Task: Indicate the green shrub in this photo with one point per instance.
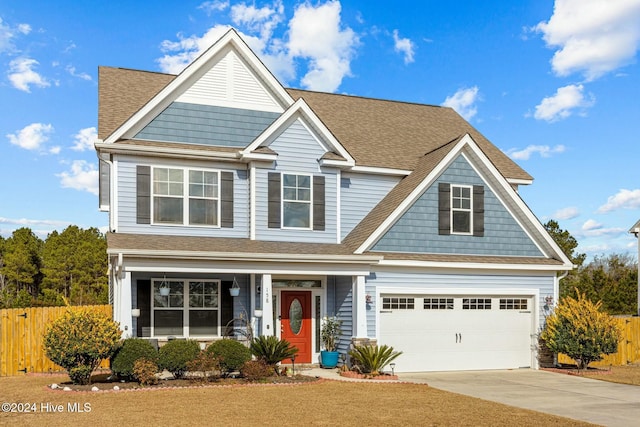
(79, 340)
(580, 330)
(372, 359)
(175, 355)
(206, 366)
(231, 354)
(256, 370)
(271, 350)
(144, 370)
(131, 350)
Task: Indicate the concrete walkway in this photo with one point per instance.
(594, 401)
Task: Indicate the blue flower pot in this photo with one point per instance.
(329, 359)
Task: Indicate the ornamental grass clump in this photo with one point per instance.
(580, 330)
(371, 359)
(79, 341)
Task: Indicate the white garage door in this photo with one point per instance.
(445, 333)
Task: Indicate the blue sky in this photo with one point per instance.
(555, 85)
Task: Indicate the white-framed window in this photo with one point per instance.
(186, 196)
(438, 304)
(398, 303)
(192, 308)
(461, 209)
(514, 304)
(476, 303)
(296, 201)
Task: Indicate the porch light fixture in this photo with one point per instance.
(164, 287)
(234, 290)
(369, 299)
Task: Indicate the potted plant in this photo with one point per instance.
(330, 335)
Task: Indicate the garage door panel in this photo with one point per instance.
(459, 339)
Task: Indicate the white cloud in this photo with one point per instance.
(623, 199)
(213, 6)
(72, 70)
(31, 137)
(463, 101)
(315, 34)
(8, 33)
(262, 21)
(592, 36)
(566, 213)
(33, 222)
(592, 228)
(82, 176)
(542, 150)
(84, 139)
(22, 75)
(404, 46)
(563, 103)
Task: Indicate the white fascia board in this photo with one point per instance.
(472, 265)
(381, 171)
(156, 151)
(260, 157)
(170, 92)
(533, 220)
(413, 196)
(299, 109)
(341, 164)
(228, 256)
(515, 181)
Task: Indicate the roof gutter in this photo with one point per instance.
(474, 265)
(156, 151)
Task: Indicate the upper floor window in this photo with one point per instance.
(296, 201)
(461, 217)
(460, 209)
(185, 196)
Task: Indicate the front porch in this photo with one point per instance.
(199, 305)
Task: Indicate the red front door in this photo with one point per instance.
(295, 316)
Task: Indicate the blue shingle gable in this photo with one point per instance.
(416, 231)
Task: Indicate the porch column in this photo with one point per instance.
(267, 306)
(125, 319)
(359, 307)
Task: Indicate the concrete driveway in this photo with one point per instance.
(594, 401)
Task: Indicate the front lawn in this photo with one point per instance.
(629, 374)
(317, 403)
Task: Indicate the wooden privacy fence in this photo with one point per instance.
(21, 338)
(628, 347)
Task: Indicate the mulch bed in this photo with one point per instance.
(355, 375)
(573, 370)
(104, 382)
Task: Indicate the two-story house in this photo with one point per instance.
(401, 219)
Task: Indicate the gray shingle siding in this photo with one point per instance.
(207, 125)
(417, 230)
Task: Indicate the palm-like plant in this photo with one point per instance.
(372, 359)
(272, 350)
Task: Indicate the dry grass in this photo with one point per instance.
(318, 403)
(629, 374)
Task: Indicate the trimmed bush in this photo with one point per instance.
(175, 355)
(370, 359)
(256, 370)
(580, 330)
(231, 354)
(144, 370)
(132, 349)
(79, 341)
